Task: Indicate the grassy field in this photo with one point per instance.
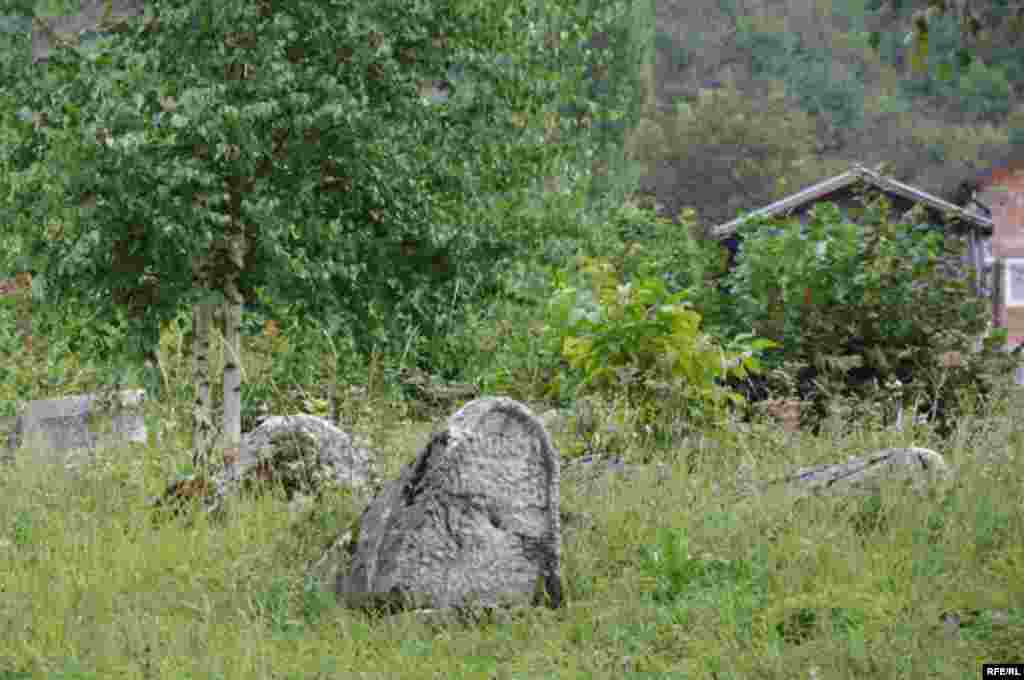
(671, 580)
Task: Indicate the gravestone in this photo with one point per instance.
(472, 522)
(306, 454)
(80, 422)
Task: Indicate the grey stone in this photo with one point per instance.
(473, 522)
(306, 454)
(917, 468)
(63, 429)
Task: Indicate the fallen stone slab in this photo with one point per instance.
(916, 468)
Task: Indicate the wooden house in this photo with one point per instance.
(992, 224)
(841, 190)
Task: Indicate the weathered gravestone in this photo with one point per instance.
(473, 523)
(65, 427)
(307, 455)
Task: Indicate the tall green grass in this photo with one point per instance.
(678, 579)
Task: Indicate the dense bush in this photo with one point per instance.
(64, 352)
(607, 322)
(636, 339)
(857, 306)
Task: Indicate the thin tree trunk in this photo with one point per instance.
(237, 247)
(202, 412)
(232, 431)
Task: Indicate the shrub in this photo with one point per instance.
(862, 305)
(639, 339)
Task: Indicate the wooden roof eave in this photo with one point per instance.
(784, 206)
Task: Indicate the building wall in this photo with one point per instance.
(1000, 189)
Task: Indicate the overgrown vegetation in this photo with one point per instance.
(860, 303)
(675, 580)
(631, 325)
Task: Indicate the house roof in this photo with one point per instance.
(856, 173)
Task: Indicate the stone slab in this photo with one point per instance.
(79, 422)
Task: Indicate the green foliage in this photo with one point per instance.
(304, 366)
(839, 296)
(809, 75)
(615, 335)
(671, 252)
(413, 224)
(66, 351)
(520, 351)
(1010, 58)
(1017, 136)
(889, 45)
(947, 67)
(812, 80)
(681, 579)
(985, 91)
(770, 51)
(945, 60)
(302, 362)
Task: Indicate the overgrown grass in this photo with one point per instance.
(674, 579)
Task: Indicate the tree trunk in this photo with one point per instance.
(202, 412)
(232, 431)
(236, 248)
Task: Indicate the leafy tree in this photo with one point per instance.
(982, 30)
(217, 148)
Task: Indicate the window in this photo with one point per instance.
(1014, 281)
(987, 283)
